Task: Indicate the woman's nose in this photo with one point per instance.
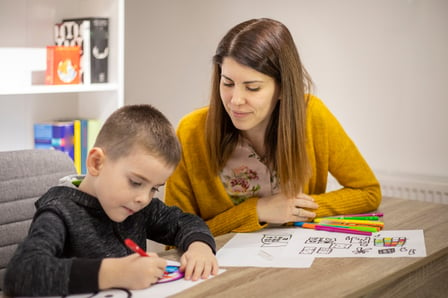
(237, 97)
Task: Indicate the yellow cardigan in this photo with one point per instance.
(195, 189)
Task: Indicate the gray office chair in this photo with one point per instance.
(25, 175)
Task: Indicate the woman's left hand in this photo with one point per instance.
(280, 209)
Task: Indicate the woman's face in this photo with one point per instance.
(248, 96)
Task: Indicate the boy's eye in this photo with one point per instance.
(134, 183)
(154, 189)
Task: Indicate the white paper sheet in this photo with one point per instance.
(157, 290)
(297, 247)
(167, 289)
(268, 248)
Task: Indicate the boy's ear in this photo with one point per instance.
(95, 160)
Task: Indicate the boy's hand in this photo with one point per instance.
(132, 272)
(198, 262)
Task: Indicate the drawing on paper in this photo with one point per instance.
(296, 248)
(275, 240)
(390, 241)
(355, 245)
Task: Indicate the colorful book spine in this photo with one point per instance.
(55, 135)
(43, 133)
(77, 145)
(93, 128)
(74, 137)
(84, 150)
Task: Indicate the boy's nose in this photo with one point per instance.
(143, 199)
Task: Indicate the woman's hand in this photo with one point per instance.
(280, 209)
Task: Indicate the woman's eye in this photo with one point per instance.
(253, 89)
(154, 189)
(227, 84)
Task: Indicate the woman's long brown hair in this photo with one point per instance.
(267, 46)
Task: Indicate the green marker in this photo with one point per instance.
(358, 228)
(353, 217)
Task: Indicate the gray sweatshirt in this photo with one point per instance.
(71, 234)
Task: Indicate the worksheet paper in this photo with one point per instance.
(157, 290)
(268, 248)
(297, 247)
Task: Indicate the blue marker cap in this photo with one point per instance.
(298, 223)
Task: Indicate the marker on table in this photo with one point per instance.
(331, 229)
(352, 227)
(379, 214)
(353, 217)
(351, 221)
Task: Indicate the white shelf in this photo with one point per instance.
(30, 25)
(45, 89)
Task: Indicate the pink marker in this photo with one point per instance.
(331, 229)
(379, 214)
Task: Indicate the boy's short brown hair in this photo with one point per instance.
(140, 126)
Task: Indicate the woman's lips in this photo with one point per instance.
(239, 114)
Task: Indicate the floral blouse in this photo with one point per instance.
(245, 175)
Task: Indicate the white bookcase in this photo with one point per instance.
(29, 24)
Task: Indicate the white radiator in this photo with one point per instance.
(413, 187)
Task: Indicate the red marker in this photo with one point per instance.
(135, 248)
(171, 272)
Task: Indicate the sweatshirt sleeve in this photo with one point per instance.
(38, 268)
(333, 151)
(172, 226)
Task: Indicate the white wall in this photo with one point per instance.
(380, 65)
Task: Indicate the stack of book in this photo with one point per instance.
(92, 36)
(74, 137)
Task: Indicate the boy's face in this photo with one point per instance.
(127, 185)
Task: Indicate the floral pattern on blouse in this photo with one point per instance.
(245, 175)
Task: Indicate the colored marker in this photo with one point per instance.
(379, 214)
(351, 221)
(359, 228)
(353, 217)
(135, 248)
(339, 223)
(331, 229)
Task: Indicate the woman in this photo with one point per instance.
(261, 151)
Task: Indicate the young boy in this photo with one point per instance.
(76, 240)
